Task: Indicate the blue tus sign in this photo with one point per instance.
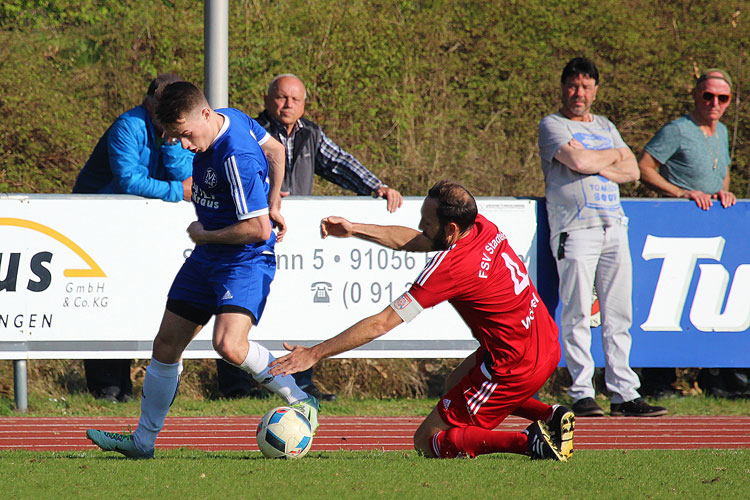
(691, 284)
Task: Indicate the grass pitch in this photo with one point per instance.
(188, 474)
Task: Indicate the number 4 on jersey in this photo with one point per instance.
(520, 279)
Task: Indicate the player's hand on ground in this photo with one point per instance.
(195, 231)
(727, 198)
(336, 226)
(299, 359)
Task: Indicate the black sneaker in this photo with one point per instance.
(313, 390)
(561, 427)
(587, 407)
(108, 394)
(636, 408)
(541, 446)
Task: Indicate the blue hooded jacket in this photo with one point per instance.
(130, 159)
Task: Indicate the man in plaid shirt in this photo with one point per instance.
(310, 151)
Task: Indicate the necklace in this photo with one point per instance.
(714, 150)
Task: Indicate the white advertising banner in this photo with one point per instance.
(87, 276)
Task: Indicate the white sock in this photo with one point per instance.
(159, 390)
(256, 364)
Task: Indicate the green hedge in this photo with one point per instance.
(418, 90)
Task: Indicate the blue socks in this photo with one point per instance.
(159, 391)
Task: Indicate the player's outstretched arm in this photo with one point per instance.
(395, 237)
(301, 358)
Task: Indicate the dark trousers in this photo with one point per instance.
(657, 380)
(236, 382)
(725, 382)
(108, 377)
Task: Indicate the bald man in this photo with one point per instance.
(310, 151)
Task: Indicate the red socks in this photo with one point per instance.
(534, 410)
(473, 441)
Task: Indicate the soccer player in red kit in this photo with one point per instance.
(488, 285)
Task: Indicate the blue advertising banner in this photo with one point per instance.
(691, 284)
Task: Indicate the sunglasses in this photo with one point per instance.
(709, 97)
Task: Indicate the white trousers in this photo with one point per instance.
(597, 258)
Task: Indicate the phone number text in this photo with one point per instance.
(354, 292)
(355, 259)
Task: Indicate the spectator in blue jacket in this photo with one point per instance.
(133, 157)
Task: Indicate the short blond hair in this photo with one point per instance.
(707, 75)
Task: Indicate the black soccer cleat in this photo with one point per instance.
(541, 446)
(561, 427)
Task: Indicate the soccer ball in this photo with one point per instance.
(284, 433)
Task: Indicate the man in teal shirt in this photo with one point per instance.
(689, 157)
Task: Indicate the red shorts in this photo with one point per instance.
(485, 402)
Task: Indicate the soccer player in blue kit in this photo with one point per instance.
(229, 272)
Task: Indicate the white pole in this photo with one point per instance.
(20, 385)
(216, 52)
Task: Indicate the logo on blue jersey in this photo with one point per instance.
(200, 197)
(210, 178)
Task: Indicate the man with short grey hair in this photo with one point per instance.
(310, 151)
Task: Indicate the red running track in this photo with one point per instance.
(373, 433)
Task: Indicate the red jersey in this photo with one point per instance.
(486, 282)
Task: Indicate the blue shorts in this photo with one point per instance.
(209, 284)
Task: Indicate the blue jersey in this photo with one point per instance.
(230, 182)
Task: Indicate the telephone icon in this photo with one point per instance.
(321, 289)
